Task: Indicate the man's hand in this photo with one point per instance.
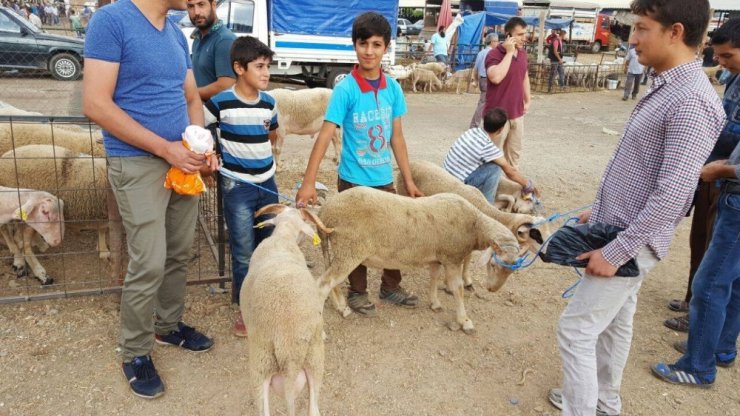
(412, 190)
(179, 156)
(597, 264)
(306, 195)
(584, 216)
(712, 171)
(526, 107)
(510, 44)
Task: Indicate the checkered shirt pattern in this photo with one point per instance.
(649, 183)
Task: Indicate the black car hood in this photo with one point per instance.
(45, 36)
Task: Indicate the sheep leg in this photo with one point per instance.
(19, 265)
(313, 394)
(103, 251)
(30, 258)
(265, 395)
(434, 272)
(340, 302)
(467, 279)
(455, 284)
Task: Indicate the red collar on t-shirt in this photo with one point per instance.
(362, 82)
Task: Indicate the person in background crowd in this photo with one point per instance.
(439, 46)
(508, 86)
(479, 70)
(555, 53)
(634, 70)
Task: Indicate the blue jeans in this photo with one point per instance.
(441, 58)
(485, 178)
(714, 311)
(241, 201)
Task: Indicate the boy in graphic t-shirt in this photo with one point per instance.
(368, 107)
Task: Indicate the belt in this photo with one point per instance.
(730, 187)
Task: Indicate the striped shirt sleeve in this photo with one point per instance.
(210, 113)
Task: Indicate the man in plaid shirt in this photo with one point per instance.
(646, 189)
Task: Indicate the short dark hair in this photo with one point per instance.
(514, 22)
(371, 24)
(246, 49)
(728, 32)
(494, 119)
(692, 14)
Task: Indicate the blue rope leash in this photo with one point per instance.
(279, 195)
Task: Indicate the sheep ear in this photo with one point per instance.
(25, 210)
(485, 257)
(507, 202)
(265, 223)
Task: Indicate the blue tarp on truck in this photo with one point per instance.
(326, 17)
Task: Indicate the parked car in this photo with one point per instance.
(25, 47)
(416, 28)
(403, 26)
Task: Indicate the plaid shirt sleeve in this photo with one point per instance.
(690, 135)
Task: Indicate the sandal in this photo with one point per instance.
(680, 324)
(669, 373)
(678, 305)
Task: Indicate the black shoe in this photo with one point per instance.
(399, 296)
(624, 98)
(186, 337)
(143, 378)
(360, 303)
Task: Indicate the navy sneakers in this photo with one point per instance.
(187, 338)
(143, 378)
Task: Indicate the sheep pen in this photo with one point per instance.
(402, 361)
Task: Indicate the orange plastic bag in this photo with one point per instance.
(198, 140)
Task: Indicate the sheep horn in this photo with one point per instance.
(508, 202)
(270, 209)
(310, 216)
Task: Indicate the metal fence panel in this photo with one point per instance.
(64, 156)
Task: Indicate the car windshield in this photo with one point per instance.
(24, 22)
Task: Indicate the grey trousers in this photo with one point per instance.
(632, 85)
(478, 115)
(160, 226)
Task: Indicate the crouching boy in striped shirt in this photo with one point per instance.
(478, 162)
(247, 119)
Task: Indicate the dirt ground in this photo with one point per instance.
(59, 357)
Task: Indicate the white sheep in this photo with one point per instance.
(439, 69)
(42, 213)
(80, 180)
(432, 179)
(385, 230)
(426, 76)
(282, 308)
(22, 133)
(462, 78)
(302, 112)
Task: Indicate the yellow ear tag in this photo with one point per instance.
(22, 214)
(527, 197)
(316, 239)
(260, 225)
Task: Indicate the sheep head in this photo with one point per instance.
(497, 274)
(296, 217)
(45, 214)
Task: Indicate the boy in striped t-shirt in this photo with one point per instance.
(477, 161)
(247, 119)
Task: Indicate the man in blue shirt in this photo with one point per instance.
(139, 87)
(480, 71)
(439, 46)
(211, 49)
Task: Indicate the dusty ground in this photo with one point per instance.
(59, 357)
